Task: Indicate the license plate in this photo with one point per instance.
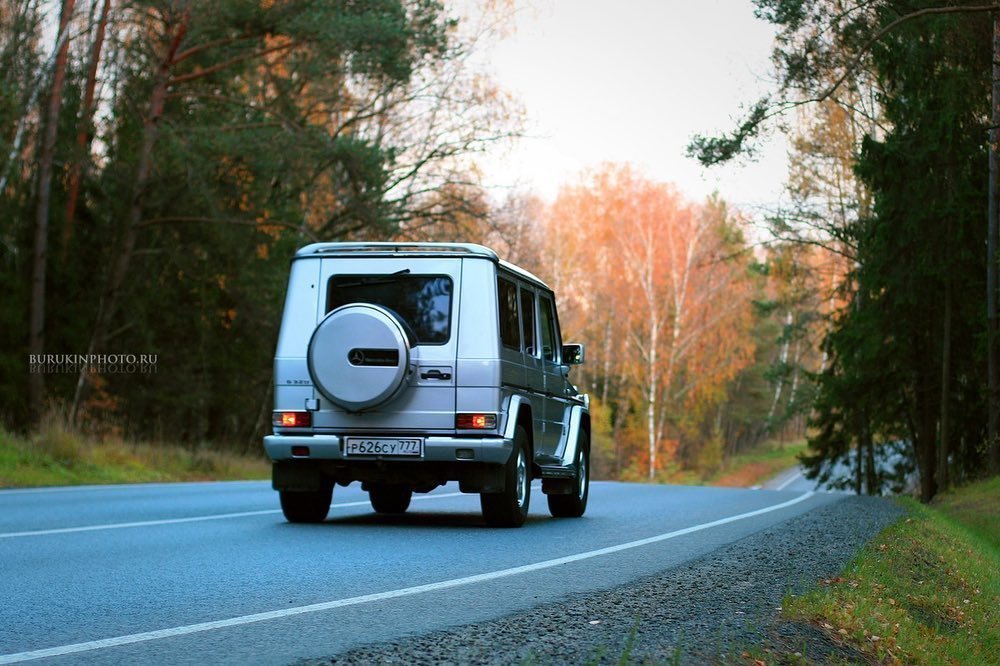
(366, 446)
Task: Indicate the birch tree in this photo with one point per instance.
(664, 304)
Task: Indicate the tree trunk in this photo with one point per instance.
(783, 362)
(859, 458)
(608, 343)
(621, 415)
(871, 474)
(793, 391)
(28, 113)
(924, 431)
(992, 245)
(40, 248)
(926, 461)
(84, 131)
(944, 436)
(651, 397)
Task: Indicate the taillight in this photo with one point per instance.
(291, 419)
(475, 421)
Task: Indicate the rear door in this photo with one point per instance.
(533, 364)
(556, 383)
(422, 291)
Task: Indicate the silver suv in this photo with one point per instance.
(408, 365)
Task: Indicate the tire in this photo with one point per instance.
(573, 506)
(390, 499)
(510, 507)
(306, 507)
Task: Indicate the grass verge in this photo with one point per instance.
(57, 456)
(742, 470)
(924, 591)
(755, 467)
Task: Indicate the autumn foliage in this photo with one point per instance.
(659, 290)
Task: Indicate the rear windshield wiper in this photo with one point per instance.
(374, 280)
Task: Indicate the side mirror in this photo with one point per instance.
(573, 354)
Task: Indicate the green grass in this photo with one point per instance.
(56, 456)
(924, 591)
(977, 508)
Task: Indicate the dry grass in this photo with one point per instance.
(56, 455)
(755, 467)
(749, 474)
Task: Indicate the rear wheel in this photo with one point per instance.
(510, 507)
(306, 507)
(574, 505)
(390, 499)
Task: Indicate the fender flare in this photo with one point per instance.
(513, 411)
(577, 416)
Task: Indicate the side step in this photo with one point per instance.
(557, 472)
(558, 480)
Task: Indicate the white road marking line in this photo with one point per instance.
(143, 523)
(126, 486)
(379, 596)
(788, 481)
(176, 521)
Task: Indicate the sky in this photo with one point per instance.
(632, 81)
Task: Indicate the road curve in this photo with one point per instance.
(211, 572)
(793, 480)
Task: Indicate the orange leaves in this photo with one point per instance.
(227, 317)
(833, 581)
(649, 281)
(265, 226)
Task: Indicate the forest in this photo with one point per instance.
(161, 160)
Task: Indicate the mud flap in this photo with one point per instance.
(483, 479)
(296, 476)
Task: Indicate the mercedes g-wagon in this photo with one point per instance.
(408, 365)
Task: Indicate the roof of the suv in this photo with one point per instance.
(390, 249)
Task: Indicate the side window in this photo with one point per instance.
(510, 325)
(528, 320)
(549, 338)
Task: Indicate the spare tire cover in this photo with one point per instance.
(359, 356)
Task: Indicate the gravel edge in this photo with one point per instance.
(706, 611)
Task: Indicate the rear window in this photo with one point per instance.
(422, 302)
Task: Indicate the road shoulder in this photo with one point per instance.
(707, 610)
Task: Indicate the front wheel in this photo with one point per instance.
(306, 507)
(510, 507)
(574, 505)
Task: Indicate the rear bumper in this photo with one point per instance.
(476, 463)
(462, 450)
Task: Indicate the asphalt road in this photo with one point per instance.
(211, 573)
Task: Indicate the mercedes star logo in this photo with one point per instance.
(356, 357)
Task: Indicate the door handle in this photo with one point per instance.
(435, 374)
